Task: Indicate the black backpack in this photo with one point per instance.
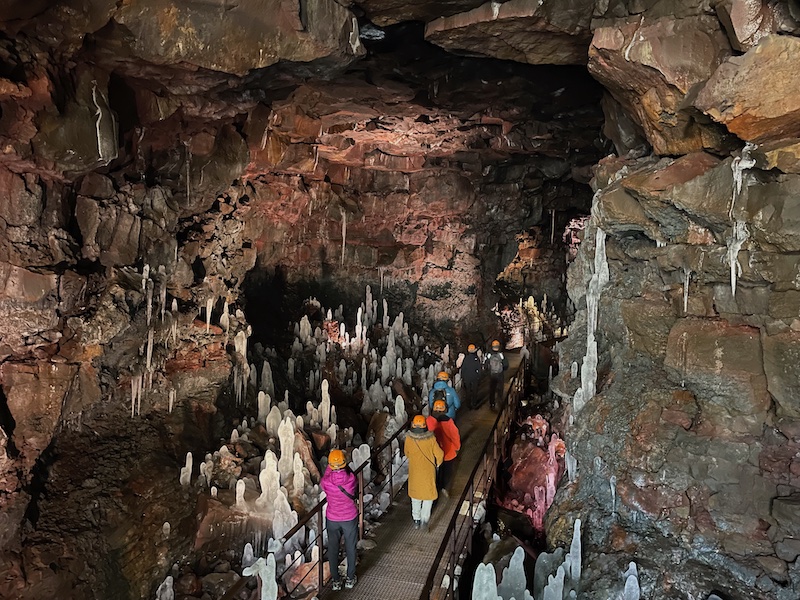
(439, 395)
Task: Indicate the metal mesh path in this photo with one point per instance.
(397, 567)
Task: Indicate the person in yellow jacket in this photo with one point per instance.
(424, 457)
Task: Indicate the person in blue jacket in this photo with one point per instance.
(443, 391)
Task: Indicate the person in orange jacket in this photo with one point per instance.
(448, 438)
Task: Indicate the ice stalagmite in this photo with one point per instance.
(165, 591)
(240, 502)
(265, 571)
(186, 472)
(598, 281)
(209, 306)
(513, 582)
(263, 406)
(575, 554)
(267, 382)
(631, 576)
(484, 586)
(286, 437)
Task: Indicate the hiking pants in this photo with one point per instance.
(336, 531)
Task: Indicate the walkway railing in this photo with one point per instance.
(457, 541)
(382, 475)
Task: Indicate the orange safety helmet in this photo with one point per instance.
(442, 376)
(471, 348)
(336, 459)
(496, 345)
(419, 422)
(439, 406)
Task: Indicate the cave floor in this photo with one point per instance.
(398, 566)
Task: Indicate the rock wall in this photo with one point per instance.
(695, 412)
(154, 154)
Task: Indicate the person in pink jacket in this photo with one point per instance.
(339, 484)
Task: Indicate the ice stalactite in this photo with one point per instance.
(149, 353)
(171, 400)
(186, 471)
(137, 390)
(598, 281)
(162, 291)
(739, 166)
(737, 238)
(149, 300)
(344, 231)
(209, 307)
(687, 276)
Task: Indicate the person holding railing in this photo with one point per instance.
(449, 440)
(339, 484)
(424, 457)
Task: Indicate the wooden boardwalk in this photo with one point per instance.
(398, 566)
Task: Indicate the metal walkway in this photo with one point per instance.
(399, 564)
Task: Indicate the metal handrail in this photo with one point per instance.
(459, 533)
(317, 510)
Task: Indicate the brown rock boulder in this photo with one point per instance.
(722, 364)
(746, 21)
(527, 31)
(757, 95)
(781, 357)
(650, 67)
(239, 37)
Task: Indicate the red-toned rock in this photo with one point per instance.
(756, 102)
(747, 22)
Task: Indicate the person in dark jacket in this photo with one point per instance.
(442, 388)
(471, 370)
(496, 363)
(339, 484)
(449, 440)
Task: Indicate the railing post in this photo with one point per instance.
(361, 504)
(321, 546)
(391, 476)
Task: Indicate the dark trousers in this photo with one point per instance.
(444, 474)
(471, 392)
(496, 388)
(336, 531)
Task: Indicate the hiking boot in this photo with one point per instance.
(416, 523)
(445, 494)
(336, 585)
(425, 526)
(350, 583)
